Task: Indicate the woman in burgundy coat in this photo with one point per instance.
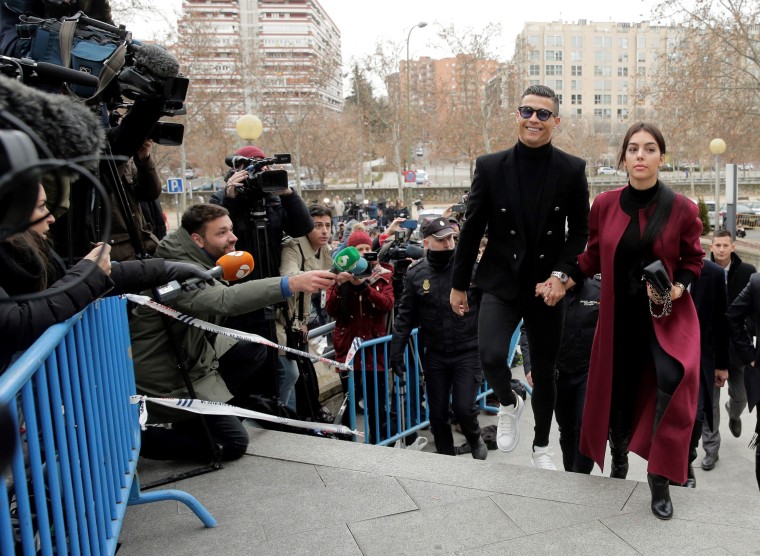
(360, 307)
(644, 369)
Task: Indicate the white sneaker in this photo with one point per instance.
(542, 458)
(508, 427)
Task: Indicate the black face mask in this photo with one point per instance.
(439, 259)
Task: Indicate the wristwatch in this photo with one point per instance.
(561, 276)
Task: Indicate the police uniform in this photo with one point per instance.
(448, 343)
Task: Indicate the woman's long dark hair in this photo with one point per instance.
(660, 206)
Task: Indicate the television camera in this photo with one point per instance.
(260, 180)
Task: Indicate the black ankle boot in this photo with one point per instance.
(691, 480)
(619, 462)
(662, 507)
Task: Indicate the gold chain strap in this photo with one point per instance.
(664, 300)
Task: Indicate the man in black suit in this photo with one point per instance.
(711, 302)
(747, 305)
(533, 198)
(737, 273)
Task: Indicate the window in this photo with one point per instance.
(622, 113)
(576, 41)
(622, 42)
(597, 112)
(576, 99)
(602, 99)
(641, 56)
(641, 71)
(553, 40)
(533, 40)
(622, 71)
(605, 113)
(623, 57)
(622, 99)
(641, 43)
(553, 55)
(576, 71)
(602, 56)
(579, 112)
(604, 71)
(534, 56)
(534, 82)
(553, 69)
(559, 95)
(534, 69)
(602, 42)
(576, 85)
(576, 56)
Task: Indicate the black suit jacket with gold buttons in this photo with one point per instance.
(494, 204)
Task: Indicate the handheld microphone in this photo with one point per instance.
(349, 260)
(232, 266)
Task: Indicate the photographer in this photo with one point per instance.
(448, 342)
(260, 220)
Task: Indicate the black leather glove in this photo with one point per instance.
(398, 368)
(183, 271)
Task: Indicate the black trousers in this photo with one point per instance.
(543, 326)
(452, 380)
(187, 440)
(636, 347)
(571, 395)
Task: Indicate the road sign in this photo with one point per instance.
(410, 176)
(175, 185)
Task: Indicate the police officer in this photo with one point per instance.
(448, 343)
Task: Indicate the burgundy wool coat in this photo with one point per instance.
(677, 247)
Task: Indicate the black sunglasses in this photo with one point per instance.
(541, 113)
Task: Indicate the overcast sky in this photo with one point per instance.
(363, 23)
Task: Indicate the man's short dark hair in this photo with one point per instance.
(722, 232)
(197, 216)
(543, 91)
(319, 210)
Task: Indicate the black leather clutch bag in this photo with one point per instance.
(657, 277)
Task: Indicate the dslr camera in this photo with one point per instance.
(259, 181)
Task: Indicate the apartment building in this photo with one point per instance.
(602, 71)
(255, 56)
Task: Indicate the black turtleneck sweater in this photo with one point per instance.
(631, 256)
(532, 167)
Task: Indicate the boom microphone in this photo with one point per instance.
(67, 127)
(156, 60)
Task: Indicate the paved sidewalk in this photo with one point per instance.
(295, 494)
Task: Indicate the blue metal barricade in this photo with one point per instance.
(394, 409)
(77, 439)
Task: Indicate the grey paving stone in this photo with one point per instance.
(699, 505)
(437, 530)
(590, 539)
(313, 509)
(335, 541)
(534, 515)
(649, 535)
(427, 494)
(158, 528)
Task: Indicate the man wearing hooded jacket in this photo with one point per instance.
(215, 372)
(448, 342)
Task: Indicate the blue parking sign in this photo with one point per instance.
(175, 185)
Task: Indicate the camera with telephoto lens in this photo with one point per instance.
(399, 252)
(259, 181)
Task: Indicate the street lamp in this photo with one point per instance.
(249, 128)
(717, 148)
(408, 156)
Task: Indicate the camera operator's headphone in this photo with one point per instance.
(18, 181)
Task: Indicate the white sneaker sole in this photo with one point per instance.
(510, 448)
